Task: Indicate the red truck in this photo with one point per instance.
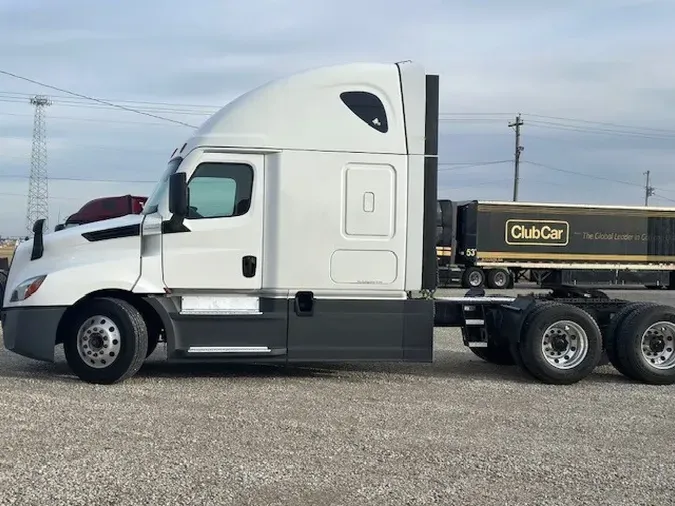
(104, 208)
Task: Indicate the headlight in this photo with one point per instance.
(27, 288)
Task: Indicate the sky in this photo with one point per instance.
(593, 81)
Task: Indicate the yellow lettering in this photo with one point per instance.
(536, 233)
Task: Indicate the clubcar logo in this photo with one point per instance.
(537, 232)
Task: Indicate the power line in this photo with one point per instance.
(604, 123)
(595, 176)
(599, 131)
(592, 176)
(469, 165)
(94, 120)
(79, 179)
(122, 107)
(22, 96)
(50, 197)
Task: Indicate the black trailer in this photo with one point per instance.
(497, 243)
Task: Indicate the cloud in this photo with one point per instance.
(603, 61)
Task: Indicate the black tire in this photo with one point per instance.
(530, 352)
(498, 279)
(473, 277)
(499, 355)
(3, 285)
(629, 346)
(121, 327)
(615, 325)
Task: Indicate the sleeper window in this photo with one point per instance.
(220, 190)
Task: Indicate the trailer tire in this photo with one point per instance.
(498, 355)
(560, 344)
(498, 279)
(473, 277)
(614, 327)
(645, 345)
(119, 336)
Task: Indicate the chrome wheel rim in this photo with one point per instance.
(658, 345)
(475, 279)
(99, 341)
(564, 344)
(500, 279)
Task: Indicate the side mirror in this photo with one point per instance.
(178, 195)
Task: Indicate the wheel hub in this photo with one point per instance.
(658, 345)
(559, 343)
(564, 344)
(99, 341)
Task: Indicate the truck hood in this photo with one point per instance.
(72, 237)
(99, 245)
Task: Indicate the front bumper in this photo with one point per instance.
(31, 331)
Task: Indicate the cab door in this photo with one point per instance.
(219, 245)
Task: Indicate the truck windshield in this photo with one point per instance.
(160, 189)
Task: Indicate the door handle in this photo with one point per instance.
(248, 266)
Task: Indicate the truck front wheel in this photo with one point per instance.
(561, 344)
(106, 342)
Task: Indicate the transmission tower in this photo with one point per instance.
(38, 185)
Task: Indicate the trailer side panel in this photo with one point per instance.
(549, 234)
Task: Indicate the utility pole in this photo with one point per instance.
(38, 189)
(519, 149)
(649, 190)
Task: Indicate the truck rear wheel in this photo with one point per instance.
(473, 277)
(560, 344)
(498, 278)
(615, 325)
(645, 345)
(106, 342)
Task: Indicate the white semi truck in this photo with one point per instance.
(298, 224)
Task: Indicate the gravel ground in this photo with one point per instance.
(459, 431)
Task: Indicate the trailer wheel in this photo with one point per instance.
(499, 355)
(560, 344)
(498, 278)
(473, 277)
(106, 342)
(645, 345)
(615, 325)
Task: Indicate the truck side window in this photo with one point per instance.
(220, 190)
(367, 107)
